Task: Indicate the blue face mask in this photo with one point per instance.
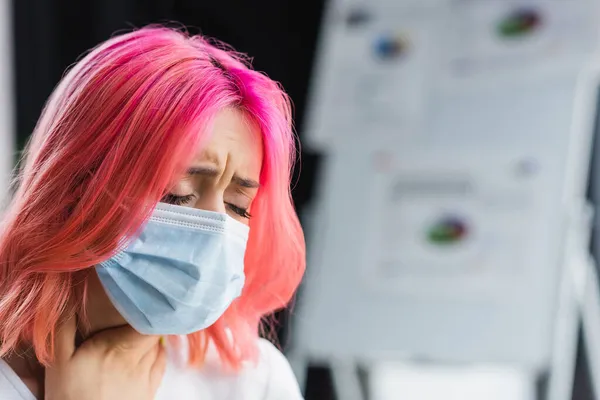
(180, 274)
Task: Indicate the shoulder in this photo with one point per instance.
(11, 386)
(281, 382)
(271, 378)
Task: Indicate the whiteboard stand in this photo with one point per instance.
(564, 355)
(590, 313)
(587, 293)
(346, 382)
(300, 366)
(568, 316)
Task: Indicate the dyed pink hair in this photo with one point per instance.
(116, 131)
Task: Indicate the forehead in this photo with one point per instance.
(235, 143)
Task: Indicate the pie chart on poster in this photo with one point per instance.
(447, 231)
(519, 23)
(389, 47)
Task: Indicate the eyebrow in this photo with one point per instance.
(212, 172)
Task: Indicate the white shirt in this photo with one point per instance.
(271, 379)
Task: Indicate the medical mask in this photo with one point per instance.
(180, 273)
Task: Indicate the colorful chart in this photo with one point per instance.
(358, 17)
(447, 230)
(519, 23)
(389, 47)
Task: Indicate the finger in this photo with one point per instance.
(159, 368)
(64, 339)
(125, 338)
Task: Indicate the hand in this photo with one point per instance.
(117, 363)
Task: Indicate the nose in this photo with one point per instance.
(211, 201)
(212, 196)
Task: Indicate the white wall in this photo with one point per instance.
(7, 108)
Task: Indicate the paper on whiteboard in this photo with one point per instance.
(487, 38)
(456, 45)
(434, 225)
(371, 79)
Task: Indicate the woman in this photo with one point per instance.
(153, 201)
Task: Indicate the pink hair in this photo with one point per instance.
(118, 128)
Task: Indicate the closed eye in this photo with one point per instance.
(171, 198)
(177, 200)
(242, 212)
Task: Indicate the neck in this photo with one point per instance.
(101, 315)
(100, 312)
